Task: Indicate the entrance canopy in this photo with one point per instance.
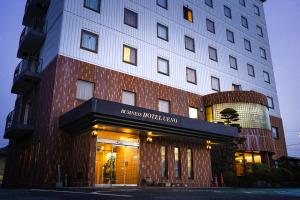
(97, 111)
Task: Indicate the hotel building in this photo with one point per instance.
(130, 92)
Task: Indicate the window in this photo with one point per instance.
(275, 133)
(230, 36)
(213, 55)
(187, 14)
(233, 62)
(209, 3)
(256, 10)
(84, 90)
(89, 41)
(227, 12)
(263, 53)
(129, 55)
(259, 31)
(177, 162)
(236, 87)
(162, 3)
(250, 69)
(164, 161)
(242, 2)
(191, 76)
(210, 25)
(163, 106)
(92, 5)
(270, 102)
(162, 32)
(190, 163)
(193, 113)
(130, 18)
(244, 21)
(189, 43)
(215, 84)
(247, 45)
(162, 66)
(128, 98)
(266, 77)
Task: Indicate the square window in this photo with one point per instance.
(227, 12)
(129, 55)
(84, 90)
(191, 75)
(256, 10)
(270, 102)
(210, 25)
(213, 55)
(236, 87)
(259, 31)
(215, 84)
(128, 98)
(230, 36)
(92, 5)
(163, 106)
(162, 3)
(193, 113)
(242, 2)
(209, 3)
(275, 133)
(247, 45)
(244, 21)
(250, 69)
(187, 14)
(263, 53)
(189, 43)
(266, 77)
(162, 66)
(89, 41)
(130, 18)
(162, 32)
(233, 62)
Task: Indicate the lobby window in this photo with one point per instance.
(266, 77)
(130, 18)
(187, 14)
(263, 53)
(259, 31)
(129, 55)
(128, 98)
(215, 84)
(164, 106)
(191, 76)
(92, 5)
(230, 36)
(162, 66)
(236, 87)
(250, 69)
(210, 25)
(227, 12)
(233, 62)
(244, 21)
(84, 90)
(209, 3)
(189, 43)
(164, 161)
(177, 162)
(242, 2)
(256, 10)
(190, 166)
(193, 113)
(270, 102)
(275, 133)
(247, 45)
(213, 55)
(162, 3)
(162, 32)
(89, 41)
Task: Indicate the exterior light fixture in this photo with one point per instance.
(208, 144)
(149, 136)
(149, 139)
(94, 133)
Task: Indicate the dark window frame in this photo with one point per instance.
(256, 8)
(213, 25)
(230, 32)
(245, 46)
(260, 33)
(161, 25)
(99, 6)
(160, 58)
(251, 66)
(136, 58)
(210, 4)
(186, 38)
(90, 33)
(264, 56)
(271, 98)
(188, 68)
(268, 75)
(186, 9)
(277, 137)
(137, 18)
(234, 86)
(243, 18)
(242, 3)
(230, 14)
(217, 90)
(215, 50)
(161, 5)
(235, 60)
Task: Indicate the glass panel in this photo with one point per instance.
(189, 43)
(212, 53)
(210, 25)
(162, 31)
(190, 163)
(163, 106)
(164, 168)
(209, 114)
(177, 162)
(257, 158)
(163, 66)
(215, 84)
(163, 3)
(130, 18)
(92, 4)
(128, 98)
(105, 164)
(191, 75)
(250, 70)
(227, 12)
(209, 3)
(84, 90)
(193, 113)
(233, 62)
(89, 41)
(129, 55)
(230, 36)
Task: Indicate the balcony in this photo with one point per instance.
(15, 129)
(31, 41)
(35, 9)
(26, 76)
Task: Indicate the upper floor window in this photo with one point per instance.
(233, 62)
(191, 76)
(215, 84)
(164, 106)
(227, 12)
(242, 2)
(236, 87)
(256, 10)
(162, 32)
(130, 18)
(247, 45)
(244, 21)
(93, 5)
(209, 3)
(128, 98)
(162, 66)
(193, 113)
(259, 31)
(266, 77)
(210, 25)
(230, 36)
(275, 133)
(250, 69)
(270, 102)
(263, 53)
(84, 90)
(189, 43)
(89, 41)
(162, 3)
(129, 55)
(213, 55)
(187, 14)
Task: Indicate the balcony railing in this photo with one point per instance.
(35, 9)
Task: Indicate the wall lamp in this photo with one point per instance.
(208, 144)
(149, 136)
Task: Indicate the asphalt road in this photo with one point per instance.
(149, 193)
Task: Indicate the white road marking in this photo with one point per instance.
(74, 192)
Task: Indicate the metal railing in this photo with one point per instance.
(27, 65)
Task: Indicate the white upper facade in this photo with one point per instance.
(67, 18)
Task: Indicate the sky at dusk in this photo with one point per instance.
(283, 23)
